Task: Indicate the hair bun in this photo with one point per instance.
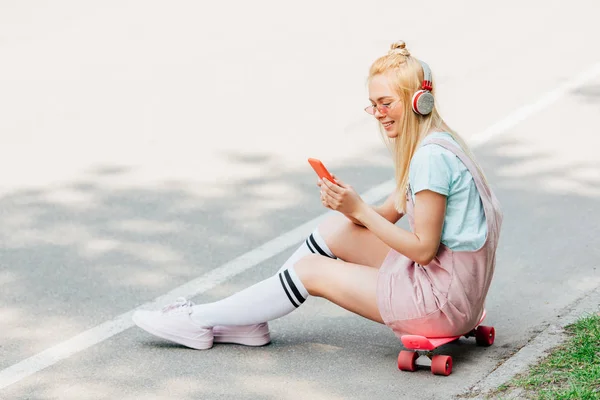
(399, 47)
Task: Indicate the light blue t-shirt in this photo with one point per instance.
(439, 170)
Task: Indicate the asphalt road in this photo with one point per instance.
(149, 149)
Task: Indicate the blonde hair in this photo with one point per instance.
(406, 74)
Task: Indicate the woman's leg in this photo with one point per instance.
(338, 237)
(353, 243)
(350, 286)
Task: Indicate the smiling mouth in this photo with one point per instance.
(387, 124)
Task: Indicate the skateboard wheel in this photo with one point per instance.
(484, 336)
(407, 360)
(441, 365)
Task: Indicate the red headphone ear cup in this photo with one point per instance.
(422, 102)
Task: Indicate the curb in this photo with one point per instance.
(536, 348)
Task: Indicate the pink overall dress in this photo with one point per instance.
(447, 296)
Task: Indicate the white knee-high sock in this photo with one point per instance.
(314, 244)
(267, 300)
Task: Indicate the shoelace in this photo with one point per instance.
(180, 304)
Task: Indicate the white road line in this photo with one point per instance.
(84, 340)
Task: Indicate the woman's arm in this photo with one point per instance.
(387, 210)
(429, 211)
(420, 246)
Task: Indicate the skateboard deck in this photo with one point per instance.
(418, 342)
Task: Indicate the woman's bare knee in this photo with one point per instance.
(310, 271)
(335, 230)
(353, 243)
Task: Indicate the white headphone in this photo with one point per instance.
(422, 101)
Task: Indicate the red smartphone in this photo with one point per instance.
(320, 169)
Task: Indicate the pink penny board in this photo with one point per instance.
(418, 342)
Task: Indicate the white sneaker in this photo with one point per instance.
(174, 323)
(248, 335)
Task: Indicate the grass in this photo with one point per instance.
(570, 371)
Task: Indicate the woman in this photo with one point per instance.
(432, 280)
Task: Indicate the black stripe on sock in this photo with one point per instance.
(286, 291)
(309, 246)
(320, 250)
(290, 282)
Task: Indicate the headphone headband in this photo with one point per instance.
(427, 84)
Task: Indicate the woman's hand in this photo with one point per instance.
(341, 197)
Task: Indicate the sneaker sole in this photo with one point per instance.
(244, 340)
(194, 344)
